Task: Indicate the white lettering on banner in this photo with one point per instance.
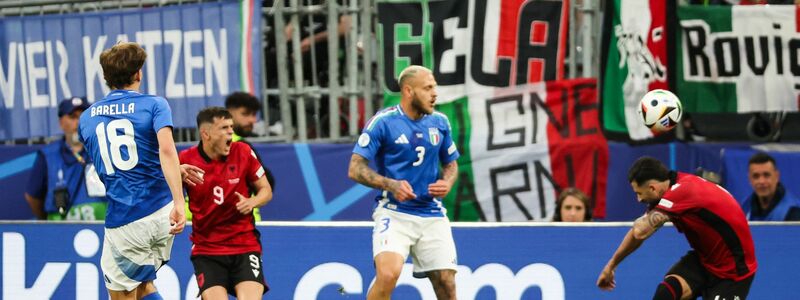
(8, 84)
(192, 62)
(35, 73)
(505, 283)
(313, 281)
(14, 272)
(91, 65)
(216, 61)
(24, 57)
(62, 69)
(149, 40)
(41, 67)
(174, 90)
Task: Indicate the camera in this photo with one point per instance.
(61, 200)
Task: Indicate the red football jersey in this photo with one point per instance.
(217, 227)
(714, 225)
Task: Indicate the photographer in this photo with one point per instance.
(63, 183)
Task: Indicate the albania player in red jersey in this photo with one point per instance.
(226, 250)
(722, 262)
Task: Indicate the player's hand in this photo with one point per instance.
(191, 175)
(401, 190)
(177, 219)
(606, 279)
(245, 205)
(439, 189)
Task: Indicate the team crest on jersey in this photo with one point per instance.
(434, 136)
(232, 168)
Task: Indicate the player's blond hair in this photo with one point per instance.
(410, 72)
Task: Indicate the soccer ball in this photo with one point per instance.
(661, 110)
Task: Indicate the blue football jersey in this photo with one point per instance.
(405, 149)
(119, 132)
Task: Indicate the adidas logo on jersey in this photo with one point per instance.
(402, 139)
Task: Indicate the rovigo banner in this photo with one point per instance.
(196, 55)
(738, 58)
(521, 145)
(636, 62)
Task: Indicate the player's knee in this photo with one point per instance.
(386, 277)
(669, 289)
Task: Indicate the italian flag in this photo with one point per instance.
(524, 140)
(636, 62)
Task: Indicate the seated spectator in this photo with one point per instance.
(64, 184)
(573, 205)
(770, 200)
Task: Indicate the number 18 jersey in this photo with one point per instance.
(411, 150)
(119, 132)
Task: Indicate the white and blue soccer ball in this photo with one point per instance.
(661, 110)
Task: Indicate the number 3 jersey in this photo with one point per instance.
(218, 228)
(119, 132)
(411, 150)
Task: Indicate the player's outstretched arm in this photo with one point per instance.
(360, 172)
(170, 165)
(643, 228)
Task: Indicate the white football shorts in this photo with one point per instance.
(132, 253)
(429, 240)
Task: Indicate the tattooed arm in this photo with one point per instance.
(642, 229)
(360, 172)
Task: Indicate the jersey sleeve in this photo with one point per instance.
(37, 183)
(448, 152)
(678, 199)
(162, 114)
(371, 138)
(254, 168)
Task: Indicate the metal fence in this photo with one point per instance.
(317, 86)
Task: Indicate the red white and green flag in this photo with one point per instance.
(739, 59)
(636, 62)
(523, 133)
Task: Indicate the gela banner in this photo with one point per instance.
(524, 133)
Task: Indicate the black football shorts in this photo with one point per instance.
(228, 270)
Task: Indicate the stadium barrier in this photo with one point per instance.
(325, 260)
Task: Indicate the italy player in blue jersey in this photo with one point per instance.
(408, 143)
(129, 137)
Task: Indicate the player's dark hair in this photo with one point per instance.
(577, 193)
(647, 168)
(242, 99)
(208, 114)
(760, 158)
(120, 63)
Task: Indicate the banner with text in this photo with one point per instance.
(475, 50)
(332, 261)
(196, 55)
(471, 45)
(738, 58)
(521, 145)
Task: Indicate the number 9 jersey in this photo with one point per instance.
(119, 133)
(411, 150)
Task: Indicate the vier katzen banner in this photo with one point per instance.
(196, 55)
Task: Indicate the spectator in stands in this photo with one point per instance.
(64, 184)
(573, 205)
(244, 108)
(770, 200)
